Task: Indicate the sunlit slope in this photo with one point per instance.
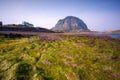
(65, 57)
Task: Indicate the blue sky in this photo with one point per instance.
(99, 15)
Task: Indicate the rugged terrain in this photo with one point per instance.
(23, 28)
(59, 57)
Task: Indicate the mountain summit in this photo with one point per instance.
(70, 24)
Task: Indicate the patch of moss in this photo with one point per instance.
(74, 57)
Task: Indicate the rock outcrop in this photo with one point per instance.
(70, 24)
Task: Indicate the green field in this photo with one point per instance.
(60, 57)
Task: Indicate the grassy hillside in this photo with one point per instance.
(63, 57)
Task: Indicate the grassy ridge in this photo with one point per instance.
(65, 57)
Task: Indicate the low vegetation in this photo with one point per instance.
(60, 57)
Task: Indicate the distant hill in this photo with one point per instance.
(70, 24)
(113, 32)
(24, 28)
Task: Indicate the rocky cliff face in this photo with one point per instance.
(70, 23)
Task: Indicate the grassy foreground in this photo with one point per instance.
(65, 57)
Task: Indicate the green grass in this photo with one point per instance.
(67, 57)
